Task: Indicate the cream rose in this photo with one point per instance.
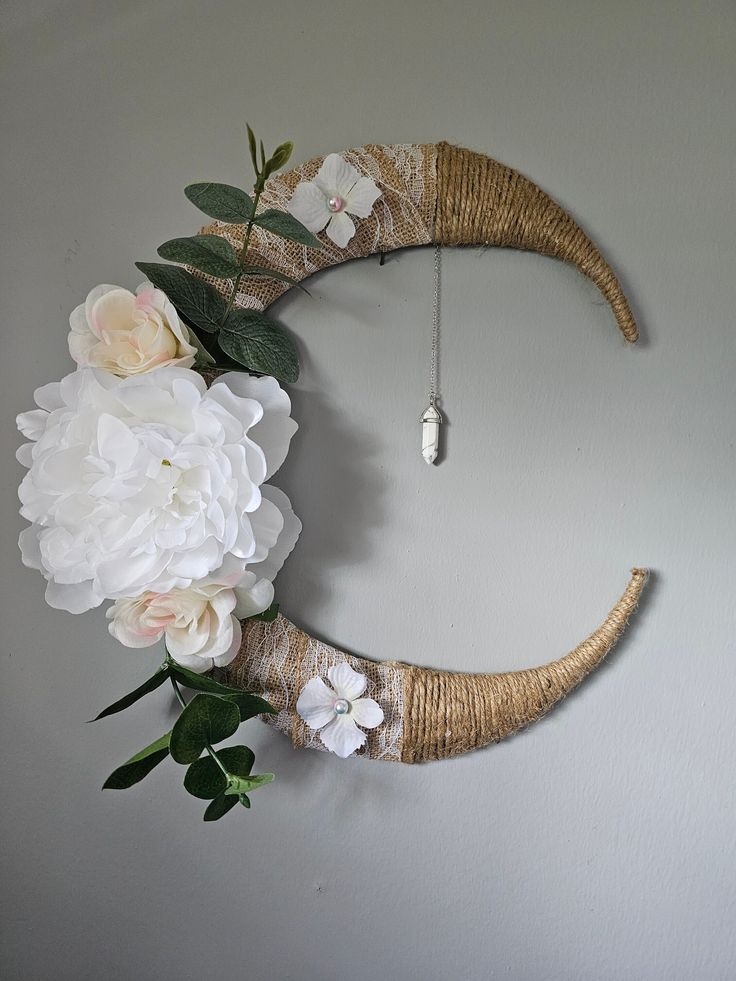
(129, 333)
(201, 624)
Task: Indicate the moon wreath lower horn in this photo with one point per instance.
(431, 194)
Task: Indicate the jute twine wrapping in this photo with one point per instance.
(431, 194)
(440, 713)
(481, 201)
(452, 196)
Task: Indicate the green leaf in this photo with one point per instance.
(200, 682)
(267, 616)
(253, 150)
(258, 343)
(219, 807)
(278, 158)
(250, 705)
(211, 254)
(243, 785)
(221, 201)
(206, 719)
(205, 779)
(196, 301)
(127, 700)
(244, 800)
(273, 274)
(138, 766)
(263, 155)
(203, 358)
(286, 226)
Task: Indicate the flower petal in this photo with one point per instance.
(267, 523)
(278, 553)
(274, 430)
(340, 229)
(362, 197)
(254, 598)
(200, 665)
(366, 712)
(30, 548)
(49, 396)
(32, 424)
(112, 311)
(336, 176)
(346, 682)
(309, 206)
(342, 736)
(72, 597)
(231, 654)
(316, 704)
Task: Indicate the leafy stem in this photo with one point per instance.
(244, 250)
(207, 744)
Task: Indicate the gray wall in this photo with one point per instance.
(600, 843)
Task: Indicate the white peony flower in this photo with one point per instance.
(146, 484)
(337, 714)
(336, 191)
(128, 333)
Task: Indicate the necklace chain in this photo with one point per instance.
(434, 363)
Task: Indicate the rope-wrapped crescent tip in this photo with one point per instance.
(430, 715)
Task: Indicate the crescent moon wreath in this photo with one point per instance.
(429, 194)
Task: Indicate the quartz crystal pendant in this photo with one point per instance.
(431, 420)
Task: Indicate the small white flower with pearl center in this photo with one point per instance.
(338, 711)
(326, 202)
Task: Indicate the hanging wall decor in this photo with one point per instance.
(149, 467)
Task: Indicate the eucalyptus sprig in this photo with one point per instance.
(221, 776)
(247, 337)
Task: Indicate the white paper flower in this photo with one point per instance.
(128, 333)
(147, 483)
(337, 191)
(337, 714)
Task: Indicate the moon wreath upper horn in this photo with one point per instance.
(431, 193)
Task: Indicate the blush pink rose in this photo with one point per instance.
(129, 333)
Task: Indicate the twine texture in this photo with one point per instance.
(429, 715)
(431, 194)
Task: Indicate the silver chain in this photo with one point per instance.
(434, 364)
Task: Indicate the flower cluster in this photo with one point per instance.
(149, 489)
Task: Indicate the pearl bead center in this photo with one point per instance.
(341, 706)
(335, 204)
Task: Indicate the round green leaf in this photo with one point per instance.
(204, 778)
(206, 719)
